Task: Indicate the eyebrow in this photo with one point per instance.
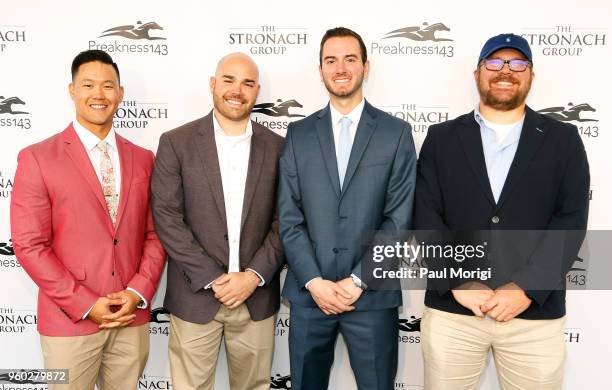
(91, 81)
(230, 77)
(345, 56)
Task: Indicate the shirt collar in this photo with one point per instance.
(90, 140)
(512, 137)
(220, 133)
(354, 115)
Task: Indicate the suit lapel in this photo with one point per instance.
(126, 161)
(365, 129)
(207, 148)
(532, 135)
(471, 141)
(326, 140)
(256, 159)
(78, 155)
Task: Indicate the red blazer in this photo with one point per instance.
(65, 240)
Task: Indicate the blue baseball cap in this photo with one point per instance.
(503, 41)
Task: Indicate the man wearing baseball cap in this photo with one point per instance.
(502, 168)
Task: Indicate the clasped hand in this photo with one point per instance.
(502, 304)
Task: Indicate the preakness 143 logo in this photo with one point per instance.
(13, 113)
(139, 38)
(410, 325)
(425, 39)
(582, 115)
(275, 112)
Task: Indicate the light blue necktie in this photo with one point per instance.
(344, 147)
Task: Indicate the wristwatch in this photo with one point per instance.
(358, 283)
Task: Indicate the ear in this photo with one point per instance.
(366, 69)
(71, 90)
(321, 73)
(121, 92)
(211, 84)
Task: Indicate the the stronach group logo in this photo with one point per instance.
(282, 108)
(6, 184)
(416, 40)
(268, 40)
(131, 32)
(148, 382)
(564, 41)
(279, 381)
(11, 36)
(132, 114)
(159, 321)
(410, 325)
(7, 255)
(575, 113)
(572, 335)
(12, 113)
(281, 327)
(419, 117)
(16, 321)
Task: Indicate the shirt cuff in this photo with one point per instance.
(260, 277)
(308, 282)
(143, 302)
(88, 311)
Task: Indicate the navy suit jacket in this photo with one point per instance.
(546, 189)
(322, 225)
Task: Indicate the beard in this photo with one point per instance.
(232, 114)
(344, 94)
(503, 103)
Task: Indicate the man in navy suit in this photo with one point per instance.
(346, 170)
(523, 178)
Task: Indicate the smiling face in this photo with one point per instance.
(96, 94)
(235, 87)
(342, 69)
(504, 89)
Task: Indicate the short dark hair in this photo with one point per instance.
(343, 32)
(92, 56)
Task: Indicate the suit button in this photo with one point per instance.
(115, 242)
(336, 250)
(225, 236)
(495, 219)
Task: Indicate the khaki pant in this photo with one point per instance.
(115, 358)
(528, 354)
(193, 350)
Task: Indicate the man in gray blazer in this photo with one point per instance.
(213, 196)
(345, 171)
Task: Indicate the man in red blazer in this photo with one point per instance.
(82, 229)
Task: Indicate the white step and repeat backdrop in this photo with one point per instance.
(167, 52)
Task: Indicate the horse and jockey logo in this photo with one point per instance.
(6, 105)
(280, 108)
(159, 315)
(411, 324)
(569, 113)
(6, 248)
(426, 32)
(138, 31)
(280, 382)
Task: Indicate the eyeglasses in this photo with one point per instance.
(497, 64)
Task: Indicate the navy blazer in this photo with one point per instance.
(546, 189)
(322, 225)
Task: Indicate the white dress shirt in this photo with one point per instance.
(233, 153)
(336, 120)
(90, 142)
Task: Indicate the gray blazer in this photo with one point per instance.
(189, 215)
(322, 225)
